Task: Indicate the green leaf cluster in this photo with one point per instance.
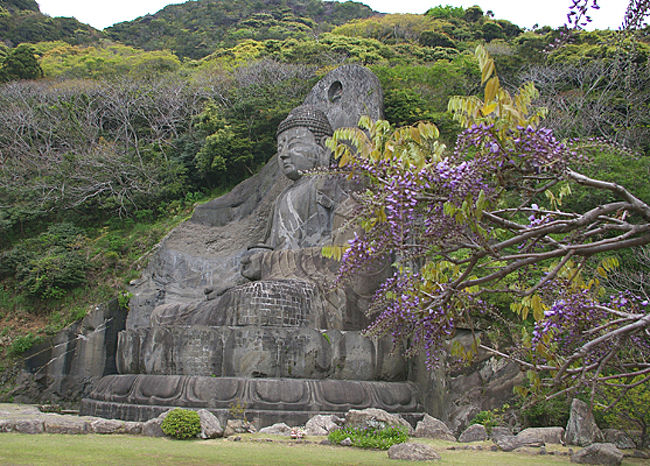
(50, 264)
(182, 424)
(20, 63)
(379, 437)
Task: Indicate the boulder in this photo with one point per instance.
(279, 428)
(346, 442)
(210, 425)
(599, 453)
(581, 429)
(56, 424)
(412, 452)
(29, 426)
(541, 435)
(238, 426)
(322, 425)
(619, 438)
(507, 442)
(375, 418)
(499, 432)
(152, 428)
(114, 426)
(430, 427)
(474, 433)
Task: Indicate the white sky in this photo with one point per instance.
(103, 13)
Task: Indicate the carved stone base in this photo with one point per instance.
(293, 401)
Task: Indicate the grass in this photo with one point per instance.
(251, 450)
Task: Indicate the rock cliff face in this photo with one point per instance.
(68, 366)
(234, 306)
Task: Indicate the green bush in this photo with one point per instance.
(22, 344)
(547, 413)
(181, 424)
(370, 437)
(490, 418)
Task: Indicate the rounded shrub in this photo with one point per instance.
(181, 424)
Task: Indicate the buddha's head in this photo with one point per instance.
(301, 141)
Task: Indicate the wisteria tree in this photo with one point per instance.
(481, 232)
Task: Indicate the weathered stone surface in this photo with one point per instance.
(210, 425)
(347, 93)
(66, 366)
(114, 426)
(238, 426)
(581, 429)
(507, 442)
(260, 351)
(375, 418)
(474, 433)
(152, 428)
(346, 442)
(619, 438)
(29, 426)
(412, 452)
(486, 385)
(430, 427)
(498, 432)
(322, 425)
(293, 401)
(599, 453)
(55, 424)
(541, 435)
(279, 428)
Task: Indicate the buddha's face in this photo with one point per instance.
(298, 151)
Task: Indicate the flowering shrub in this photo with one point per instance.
(181, 424)
(482, 226)
(370, 437)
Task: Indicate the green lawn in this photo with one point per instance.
(252, 449)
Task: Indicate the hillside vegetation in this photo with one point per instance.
(108, 139)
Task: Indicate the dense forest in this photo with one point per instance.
(108, 138)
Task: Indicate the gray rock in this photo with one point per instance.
(581, 429)
(106, 426)
(29, 426)
(322, 425)
(114, 426)
(238, 426)
(619, 438)
(279, 428)
(474, 433)
(375, 418)
(599, 453)
(56, 424)
(67, 365)
(133, 428)
(541, 435)
(499, 432)
(507, 442)
(346, 442)
(412, 452)
(210, 425)
(152, 428)
(430, 427)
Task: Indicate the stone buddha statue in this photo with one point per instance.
(215, 320)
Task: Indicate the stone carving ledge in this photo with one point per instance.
(294, 401)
